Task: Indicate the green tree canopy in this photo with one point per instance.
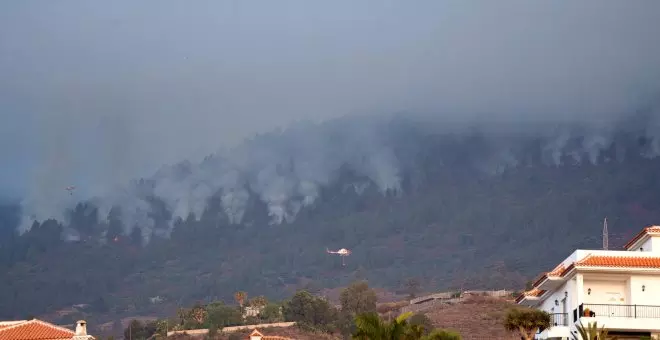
(138, 330)
(310, 310)
(358, 298)
(271, 313)
(526, 321)
(221, 315)
(259, 301)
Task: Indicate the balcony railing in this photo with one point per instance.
(559, 319)
(618, 311)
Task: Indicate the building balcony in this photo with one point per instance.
(621, 311)
(619, 317)
(558, 319)
(558, 327)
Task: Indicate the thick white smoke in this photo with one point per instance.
(128, 91)
(288, 169)
(285, 169)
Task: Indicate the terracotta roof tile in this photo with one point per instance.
(255, 332)
(535, 292)
(568, 269)
(619, 261)
(35, 330)
(4, 324)
(558, 271)
(540, 279)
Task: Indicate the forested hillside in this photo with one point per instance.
(450, 224)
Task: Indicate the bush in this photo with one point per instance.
(422, 320)
(441, 334)
(310, 311)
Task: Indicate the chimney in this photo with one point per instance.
(81, 328)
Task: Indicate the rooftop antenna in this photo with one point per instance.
(605, 235)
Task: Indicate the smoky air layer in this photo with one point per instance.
(287, 170)
(97, 96)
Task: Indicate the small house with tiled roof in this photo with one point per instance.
(256, 335)
(618, 289)
(40, 330)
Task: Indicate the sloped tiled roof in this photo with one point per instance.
(4, 324)
(648, 230)
(559, 271)
(34, 330)
(268, 337)
(619, 261)
(540, 279)
(600, 261)
(534, 292)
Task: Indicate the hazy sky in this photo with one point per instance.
(92, 90)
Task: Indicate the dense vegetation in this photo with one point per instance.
(356, 318)
(450, 227)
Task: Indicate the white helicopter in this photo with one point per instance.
(343, 252)
(70, 189)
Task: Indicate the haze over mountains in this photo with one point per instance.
(287, 170)
(448, 141)
(453, 210)
(126, 91)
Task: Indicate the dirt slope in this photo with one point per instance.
(477, 318)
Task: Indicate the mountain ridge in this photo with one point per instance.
(451, 224)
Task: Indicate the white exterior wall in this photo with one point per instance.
(567, 291)
(651, 244)
(607, 287)
(648, 245)
(548, 304)
(571, 288)
(651, 295)
(610, 291)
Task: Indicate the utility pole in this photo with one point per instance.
(605, 235)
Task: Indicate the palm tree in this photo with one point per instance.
(591, 332)
(440, 334)
(240, 297)
(414, 332)
(371, 327)
(526, 322)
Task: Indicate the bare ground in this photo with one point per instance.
(477, 318)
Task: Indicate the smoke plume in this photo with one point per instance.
(101, 97)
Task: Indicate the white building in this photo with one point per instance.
(618, 289)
